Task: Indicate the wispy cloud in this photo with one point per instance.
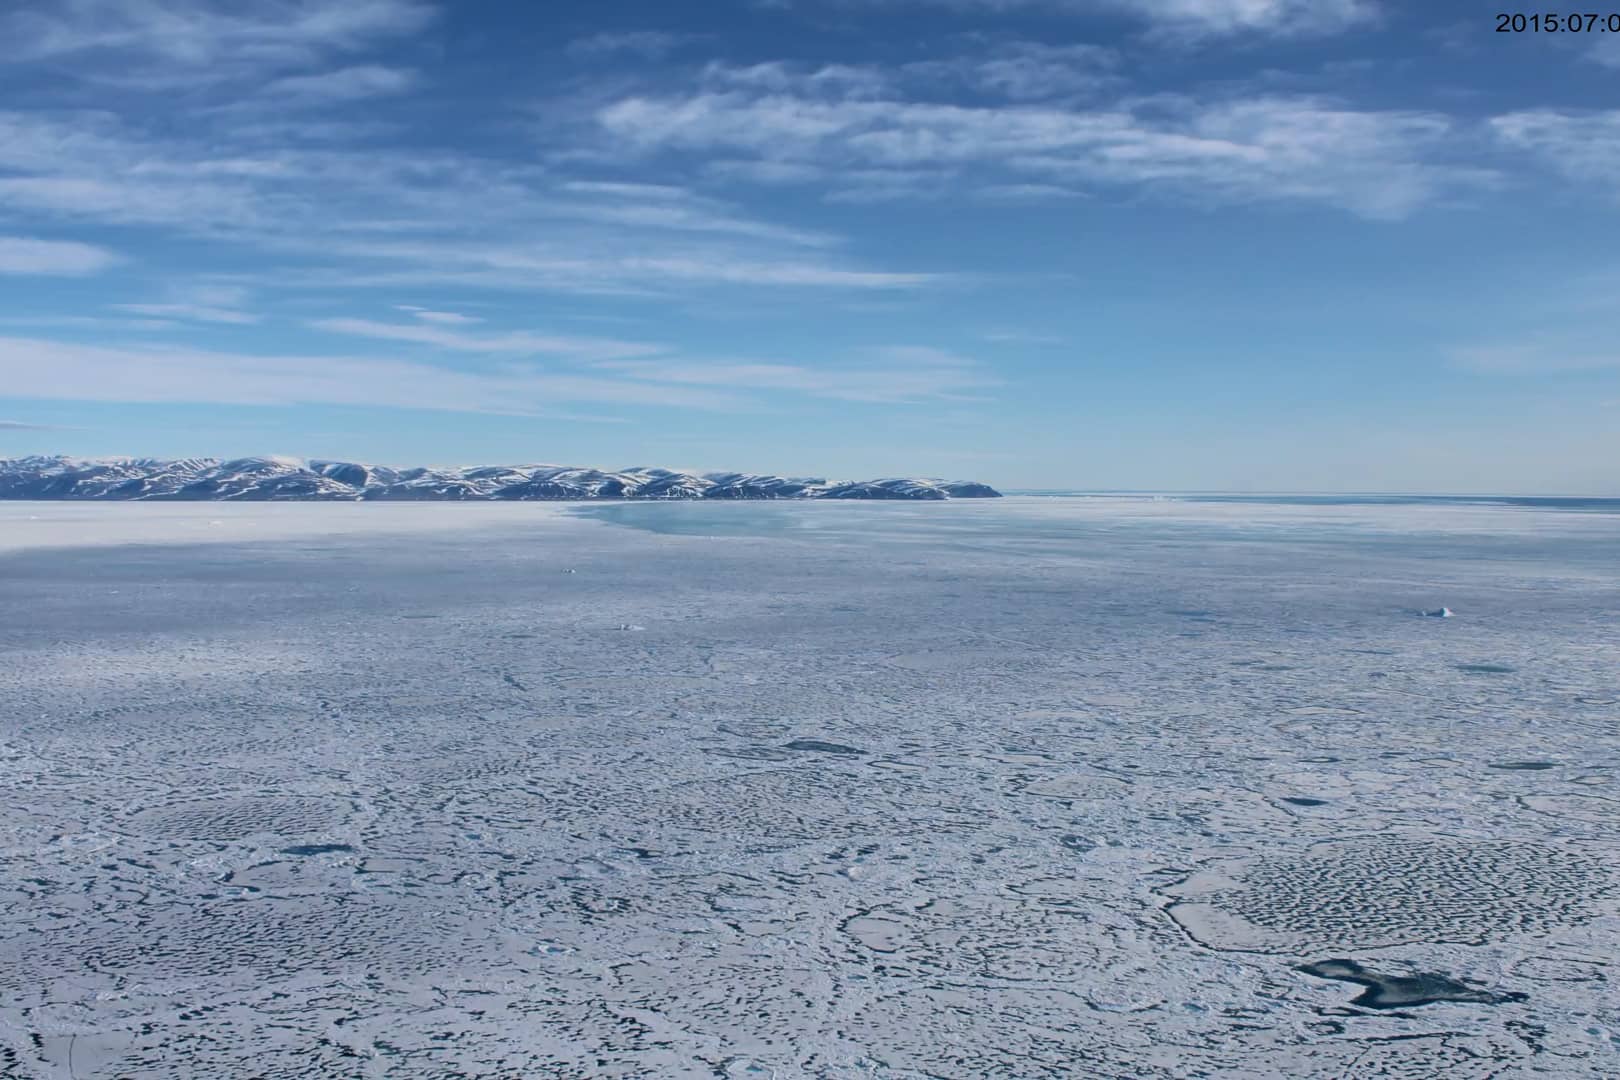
(1183, 18)
(1377, 164)
(198, 303)
(1222, 17)
(1028, 70)
(443, 318)
(68, 371)
(647, 44)
(20, 425)
(158, 43)
(549, 267)
(1542, 357)
(1029, 193)
(1021, 337)
(191, 313)
(525, 344)
(1006, 69)
(1605, 51)
(663, 206)
(514, 225)
(84, 322)
(55, 258)
(1582, 145)
(891, 374)
(344, 84)
(191, 204)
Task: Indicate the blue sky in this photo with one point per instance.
(1171, 244)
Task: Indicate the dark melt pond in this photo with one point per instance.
(816, 746)
(315, 849)
(1404, 991)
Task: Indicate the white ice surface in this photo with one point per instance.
(1036, 788)
(39, 525)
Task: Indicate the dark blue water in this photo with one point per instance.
(1529, 502)
(1522, 533)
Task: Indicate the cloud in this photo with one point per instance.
(84, 322)
(147, 374)
(1185, 18)
(1013, 70)
(1535, 358)
(1030, 71)
(190, 313)
(778, 76)
(744, 272)
(1016, 193)
(1583, 146)
(542, 266)
(53, 258)
(1605, 51)
(508, 224)
(647, 44)
(519, 343)
(765, 172)
(1376, 164)
(1021, 337)
(158, 43)
(891, 375)
(663, 206)
(1222, 17)
(59, 370)
(443, 318)
(198, 303)
(345, 84)
(199, 205)
(20, 425)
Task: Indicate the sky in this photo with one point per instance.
(1241, 245)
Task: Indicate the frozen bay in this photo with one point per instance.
(1032, 787)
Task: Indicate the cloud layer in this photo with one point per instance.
(861, 145)
(52, 258)
(1185, 18)
(384, 202)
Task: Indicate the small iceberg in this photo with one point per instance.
(1437, 613)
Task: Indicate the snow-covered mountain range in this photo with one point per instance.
(279, 478)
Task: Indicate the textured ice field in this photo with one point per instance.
(1026, 788)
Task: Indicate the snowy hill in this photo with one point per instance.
(281, 478)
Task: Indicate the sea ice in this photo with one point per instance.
(1020, 787)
